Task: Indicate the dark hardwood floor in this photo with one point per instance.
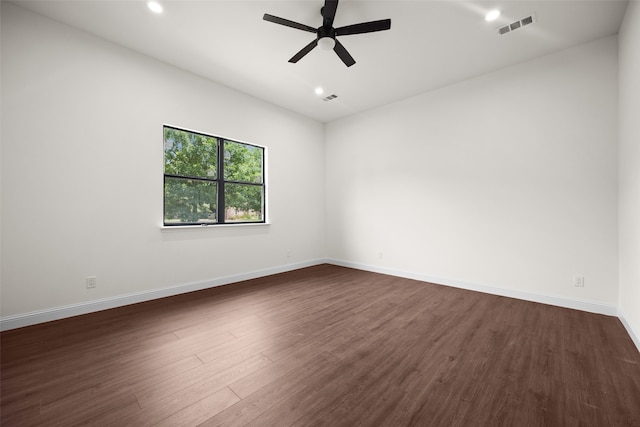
(324, 346)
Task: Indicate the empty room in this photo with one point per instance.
(318, 212)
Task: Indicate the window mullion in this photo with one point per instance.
(221, 205)
(190, 178)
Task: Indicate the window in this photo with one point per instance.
(211, 180)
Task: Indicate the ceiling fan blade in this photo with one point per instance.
(329, 12)
(288, 23)
(308, 48)
(364, 27)
(343, 54)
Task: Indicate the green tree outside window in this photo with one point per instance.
(203, 173)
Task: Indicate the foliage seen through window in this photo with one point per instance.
(211, 180)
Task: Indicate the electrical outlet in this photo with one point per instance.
(289, 254)
(380, 255)
(91, 282)
(578, 281)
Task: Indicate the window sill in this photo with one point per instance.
(170, 228)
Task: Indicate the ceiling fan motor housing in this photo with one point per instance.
(326, 32)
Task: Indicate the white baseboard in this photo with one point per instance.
(635, 337)
(590, 306)
(56, 313)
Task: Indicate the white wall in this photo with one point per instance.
(629, 240)
(507, 181)
(82, 164)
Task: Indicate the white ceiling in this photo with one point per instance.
(431, 43)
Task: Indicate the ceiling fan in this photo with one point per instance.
(326, 34)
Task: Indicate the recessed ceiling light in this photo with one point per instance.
(154, 6)
(319, 91)
(492, 15)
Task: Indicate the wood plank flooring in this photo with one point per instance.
(323, 346)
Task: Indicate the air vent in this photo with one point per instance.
(517, 24)
(526, 21)
(330, 97)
